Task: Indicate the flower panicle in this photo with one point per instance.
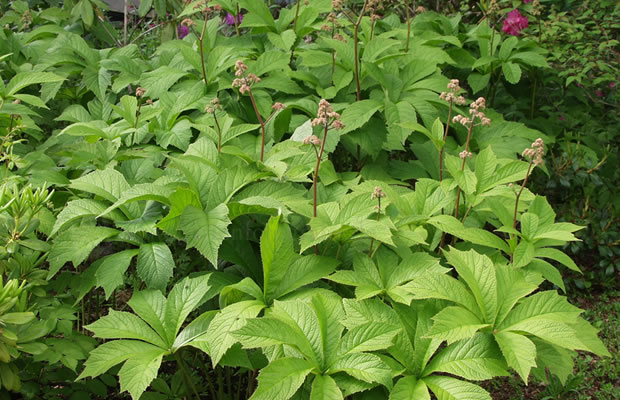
(451, 96)
(536, 152)
(326, 116)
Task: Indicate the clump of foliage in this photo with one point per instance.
(301, 204)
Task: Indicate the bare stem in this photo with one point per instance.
(296, 16)
(219, 133)
(458, 192)
(236, 20)
(408, 25)
(356, 51)
(372, 240)
(135, 125)
(201, 42)
(445, 137)
(125, 24)
(260, 121)
(527, 175)
(316, 168)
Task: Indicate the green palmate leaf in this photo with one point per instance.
(180, 199)
(478, 359)
(108, 184)
(547, 305)
(75, 245)
(447, 388)
(111, 271)
(281, 378)
(23, 79)
(303, 271)
(138, 372)
(558, 256)
(356, 115)
(365, 367)
(258, 14)
(478, 271)
(150, 305)
(277, 253)
(77, 209)
(112, 353)
(512, 72)
(205, 230)
(144, 191)
(557, 360)
(368, 337)
(183, 299)
(124, 325)
(519, 352)
(587, 335)
(218, 338)
(410, 388)
(324, 387)
(440, 286)
(155, 265)
(523, 255)
(455, 323)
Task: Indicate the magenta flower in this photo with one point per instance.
(182, 30)
(562, 118)
(612, 85)
(514, 23)
(598, 93)
(232, 20)
(527, 1)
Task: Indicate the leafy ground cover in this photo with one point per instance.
(291, 200)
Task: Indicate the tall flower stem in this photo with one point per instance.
(356, 30)
(296, 16)
(186, 375)
(202, 56)
(408, 25)
(527, 175)
(458, 192)
(262, 125)
(236, 20)
(316, 168)
(372, 240)
(445, 137)
(219, 134)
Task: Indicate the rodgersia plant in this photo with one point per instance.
(317, 269)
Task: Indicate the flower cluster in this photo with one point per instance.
(278, 106)
(514, 23)
(325, 114)
(475, 110)
(377, 193)
(312, 139)
(140, 91)
(451, 96)
(213, 105)
(337, 5)
(465, 154)
(536, 152)
(182, 31)
(243, 82)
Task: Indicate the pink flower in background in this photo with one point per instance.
(182, 30)
(514, 23)
(231, 19)
(598, 93)
(527, 1)
(562, 118)
(612, 84)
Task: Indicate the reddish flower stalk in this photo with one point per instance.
(376, 194)
(326, 118)
(450, 97)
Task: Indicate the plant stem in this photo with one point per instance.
(527, 175)
(408, 25)
(260, 121)
(372, 240)
(296, 16)
(316, 168)
(125, 24)
(135, 125)
(236, 20)
(188, 378)
(201, 42)
(356, 29)
(458, 192)
(219, 133)
(445, 137)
